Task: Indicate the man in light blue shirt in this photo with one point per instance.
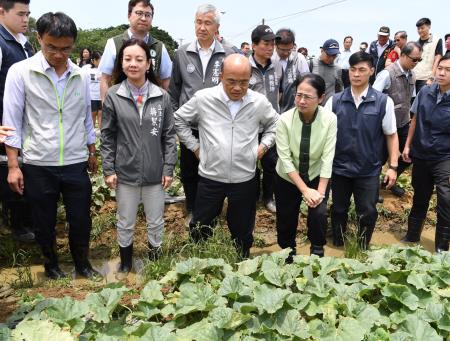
(342, 60)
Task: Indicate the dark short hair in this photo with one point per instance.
(423, 21)
(118, 75)
(359, 57)
(409, 48)
(8, 4)
(402, 34)
(444, 57)
(57, 25)
(243, 44)
(312, 79)
(133, 4)
(286, 36)
(347, 38)
(364, 43)
(446, 36)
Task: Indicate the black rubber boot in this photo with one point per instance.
(317, 250)
(154, 252)
(51, 266)
(364, 236)
(126, 259)
(442, 238)
(339, 226)
(415, 227)
(83, 267)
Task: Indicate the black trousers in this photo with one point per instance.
(402, 135)
(43, 187)
(426, 175)
(241, 210)
(345, 78)
(365, 193)
(189, 173)
(16, 210)
(419, 85)
(268, 163)
(288, 199)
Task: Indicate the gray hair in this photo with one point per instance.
(409, 48)
(206, 8)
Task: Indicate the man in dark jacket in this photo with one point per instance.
(14, 47)
(379, 49)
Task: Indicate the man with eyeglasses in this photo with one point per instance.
(325, 66)
(196, 66)
(432, 52)
(140, 17)
(428, 147)
(14, 47)
(47, 101)
(379, 50)
(228, 117)
(294, 64)
(400, 39)
(398, 80)
(366, 120)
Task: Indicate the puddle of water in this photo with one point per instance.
(378, 239)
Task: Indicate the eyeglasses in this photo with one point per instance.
(414, 60)
(141, 14)
(54, 50)
(233, 82)
(306, 97)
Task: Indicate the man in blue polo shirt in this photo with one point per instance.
(428, 146)
(366, 119)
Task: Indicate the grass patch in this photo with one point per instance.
(22, 276)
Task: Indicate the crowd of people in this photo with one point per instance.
(318, 128)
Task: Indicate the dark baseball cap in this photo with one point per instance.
(263, 32)
(331, 47)
(384, 31)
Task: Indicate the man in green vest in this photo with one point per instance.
(140, 16)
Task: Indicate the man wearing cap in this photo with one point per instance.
(294, 64)
(379, 49)
(325, 67)
(398, 81)
(196, 66)
(432, 53)
(266, 79)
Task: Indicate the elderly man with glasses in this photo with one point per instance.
(330, 71)
(398, 81)
(400, 39)
(140, 17)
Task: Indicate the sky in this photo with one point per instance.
(313, 21)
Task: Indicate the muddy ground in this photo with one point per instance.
(391, 226)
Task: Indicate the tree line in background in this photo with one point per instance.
(96, 38)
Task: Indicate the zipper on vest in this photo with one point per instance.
(60, 104)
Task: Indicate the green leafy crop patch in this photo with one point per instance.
(396, 294)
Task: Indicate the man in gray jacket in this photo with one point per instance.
(228, 117)
(196, 66)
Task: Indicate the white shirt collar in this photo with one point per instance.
(46, 66)
(130, 34)
(358, 100)
(209, 49)
(226, 98)
(385, 45)
(21, 39)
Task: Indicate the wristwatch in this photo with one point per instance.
(393, 167)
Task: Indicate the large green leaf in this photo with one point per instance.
(415, 329)
(298, 301)
(249, 266)
(200, 331)
(40, 330)
(151, 293)
(402, 294)
(235, 286)
(103, 304)
(227, 318)
(269, 298)
(421, 281)
(290, 323)
(197, 297)
(5, 333)
(66, 309)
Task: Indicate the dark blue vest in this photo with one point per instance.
(360, 136)
(379, 62)
(12, 52)
(432, 135)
